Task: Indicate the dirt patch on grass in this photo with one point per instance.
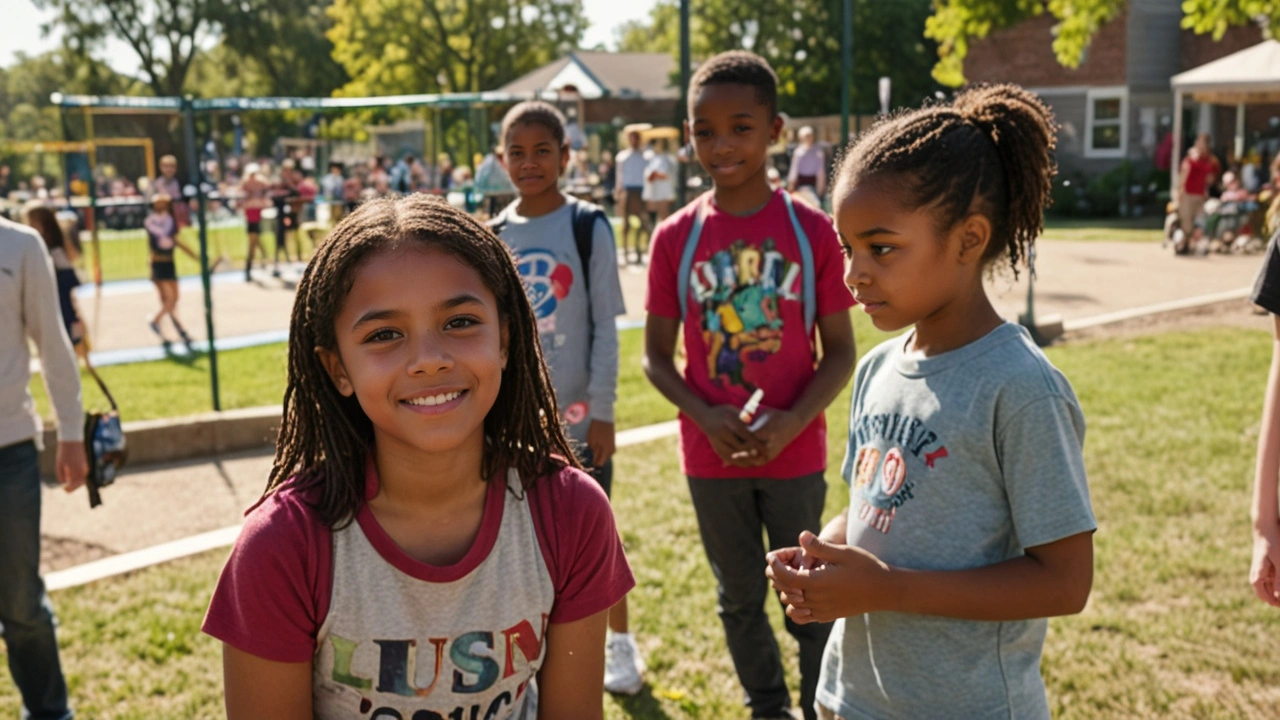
(1233, 313)
(59, 553)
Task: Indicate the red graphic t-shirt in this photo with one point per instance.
(745, 328)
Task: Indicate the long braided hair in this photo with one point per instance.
(989, 151)
(325, 438)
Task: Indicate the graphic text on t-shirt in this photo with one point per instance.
(480, 660)
(739, 289)
(880, 477)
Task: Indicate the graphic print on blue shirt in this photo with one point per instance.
(739, 289)
(547, 281)
(880, 476)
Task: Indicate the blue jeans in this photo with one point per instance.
(25, 611)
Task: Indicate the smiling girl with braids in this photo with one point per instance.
(427, 546)
(969, 521)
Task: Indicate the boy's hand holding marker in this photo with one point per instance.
(732, 440)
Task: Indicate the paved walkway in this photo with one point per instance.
(158, 504)
(1075, 280)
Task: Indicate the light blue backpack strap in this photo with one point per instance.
(808, 271)
(686, 258)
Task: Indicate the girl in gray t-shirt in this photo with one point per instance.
(969, 519)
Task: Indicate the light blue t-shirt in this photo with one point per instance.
(955, 461)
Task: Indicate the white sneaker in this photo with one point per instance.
(623, 666)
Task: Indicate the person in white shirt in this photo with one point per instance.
(29, 310)
(808, 165)
(660, 182)
(631, 164)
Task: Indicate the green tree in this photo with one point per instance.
(164, 34)
(25, 87)
(411, 46)
(957, 23)
(286, 42)
(888, 41)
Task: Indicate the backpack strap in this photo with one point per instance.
(584, 219)
(498, 222)
(686, 257)
(807, 268)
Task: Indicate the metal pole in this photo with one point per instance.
(1176, 161)
(194, 174)
(682, 110)
(93, 207)
(846, 71)
(1239, 148)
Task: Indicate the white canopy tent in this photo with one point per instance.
(1250, 76)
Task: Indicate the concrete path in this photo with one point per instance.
(147, 506)
(1083, 279)
(1075, 280)
(197, 503)
(159, 504)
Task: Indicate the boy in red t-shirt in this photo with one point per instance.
(751, 276)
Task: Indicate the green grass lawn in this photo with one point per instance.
(1171, 631)
(125, 254)
(1144, 229)
(256, 376)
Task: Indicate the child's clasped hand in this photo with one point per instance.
(821, 581)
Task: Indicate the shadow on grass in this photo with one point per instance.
(186, 359)
(643, 705)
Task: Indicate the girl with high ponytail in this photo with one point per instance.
(969, 521)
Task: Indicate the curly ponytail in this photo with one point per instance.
(989, 151)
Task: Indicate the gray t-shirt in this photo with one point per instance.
(955, 461)
(581, 347)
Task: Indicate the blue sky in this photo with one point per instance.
(21, 29)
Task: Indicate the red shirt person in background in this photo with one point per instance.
(1198, 172)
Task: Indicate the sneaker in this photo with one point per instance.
(155, 328)
(623, 666)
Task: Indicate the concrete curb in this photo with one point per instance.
(195, 436)
(224, 537)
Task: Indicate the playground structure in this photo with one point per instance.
(89, 200)
(433, 105)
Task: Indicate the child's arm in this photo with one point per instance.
(728, 434)
(572, 676)
(177, 240)
(606, 305)
(1265, 511)
(1049, 580)
(260, 688)
(835, 330)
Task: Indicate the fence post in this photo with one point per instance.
(682, 110)
(194, 174)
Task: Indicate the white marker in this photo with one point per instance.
(753, 403)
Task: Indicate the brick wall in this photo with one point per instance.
(1197, 50)
(604, 110)
(1023, 54)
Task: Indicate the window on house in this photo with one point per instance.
(1107, 133)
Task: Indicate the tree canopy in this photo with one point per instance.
(888, 41)
(410, 46)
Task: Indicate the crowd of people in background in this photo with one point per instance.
(1224, 210)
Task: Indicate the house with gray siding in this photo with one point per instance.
(1118, 103)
